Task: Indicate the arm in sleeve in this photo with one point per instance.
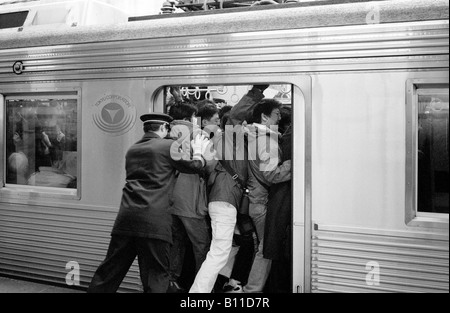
(239, 112)
(270, 166)
(194, 166)
(183, 162)
(281, 174)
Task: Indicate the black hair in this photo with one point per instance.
(182, 111)
(207, 111)
(201, 103)
(224, 119)
(265, 106)
(224, 109)
(286, 118)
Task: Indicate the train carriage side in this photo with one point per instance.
(363, 78)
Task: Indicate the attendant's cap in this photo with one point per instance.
(156, 118)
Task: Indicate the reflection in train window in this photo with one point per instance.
(41, 141)
(432, 154)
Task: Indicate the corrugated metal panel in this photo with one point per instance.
(402, 46)
(37, 242)
(342, 262)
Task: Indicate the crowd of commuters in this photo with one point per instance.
(181, 204)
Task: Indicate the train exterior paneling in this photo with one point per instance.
(350, 151)
(43, 233)
(359, 187)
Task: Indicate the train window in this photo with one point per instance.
(13, 19)
(432, 151)
(427, 162)
(225, 96)
(41, 142)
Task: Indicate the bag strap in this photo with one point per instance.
(235, 176)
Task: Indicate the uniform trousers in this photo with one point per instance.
(197, 231)
(153, 259)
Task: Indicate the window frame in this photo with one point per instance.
(18, 192)
(414, 218)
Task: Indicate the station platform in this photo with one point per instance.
(13, 285)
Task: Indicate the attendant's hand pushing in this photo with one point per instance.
(200, 144)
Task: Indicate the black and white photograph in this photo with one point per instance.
(230, 154)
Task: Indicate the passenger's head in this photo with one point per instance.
(18, 165)
(28, 110)
(183, 111)
(220, 102)
(267, 112)
(209, 114)
(224, 110)
(47, 116)
(286, 119)
(224, 114)
(201, 103)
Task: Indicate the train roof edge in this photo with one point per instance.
(295, 17)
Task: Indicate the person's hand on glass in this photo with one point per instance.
(46, 140)
(16, 138)
(60, 136)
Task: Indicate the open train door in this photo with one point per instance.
(301, 185)
(300, 88)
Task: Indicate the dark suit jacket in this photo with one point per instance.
(144, 209)
(279, 209)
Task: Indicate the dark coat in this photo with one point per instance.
(150, 176)
(223, 187)
(189, 197)
(279, 209)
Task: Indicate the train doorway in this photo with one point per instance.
(295, 97)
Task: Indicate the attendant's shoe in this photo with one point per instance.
(174, 287)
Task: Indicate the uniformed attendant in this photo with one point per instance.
(143, 224)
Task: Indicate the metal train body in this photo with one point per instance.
(353, 67)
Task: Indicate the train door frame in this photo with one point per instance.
(2, 139)
(302, 123)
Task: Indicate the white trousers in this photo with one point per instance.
(223, 221)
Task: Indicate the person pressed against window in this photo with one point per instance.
(188, 201)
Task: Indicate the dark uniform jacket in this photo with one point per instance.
(150, 176)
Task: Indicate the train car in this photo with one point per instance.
(368, 86)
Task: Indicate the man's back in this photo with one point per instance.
(145, 200)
